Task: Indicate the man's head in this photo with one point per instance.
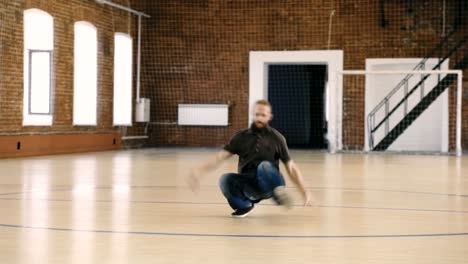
(262, 113)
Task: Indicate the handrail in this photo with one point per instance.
(404, 83)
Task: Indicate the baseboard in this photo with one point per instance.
(35, 145)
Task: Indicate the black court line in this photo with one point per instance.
(230, 235)
(104, 187)
(394, 191)
(261, 204)
(33, 191)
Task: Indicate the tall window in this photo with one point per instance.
(38, 68)
(85, 75)
(122, 80)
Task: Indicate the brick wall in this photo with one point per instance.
(197, 52)
(65, 14)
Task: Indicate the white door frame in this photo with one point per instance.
(258, 82)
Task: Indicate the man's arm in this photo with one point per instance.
(296, 176)
(209, 165)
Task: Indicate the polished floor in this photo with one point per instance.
(134, 207)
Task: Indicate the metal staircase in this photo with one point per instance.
(447, 49)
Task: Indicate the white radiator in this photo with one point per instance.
(203, 114)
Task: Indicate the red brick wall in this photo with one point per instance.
(197, 52)
(65, 14)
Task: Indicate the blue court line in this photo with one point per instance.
(229, 235)
(262, 204)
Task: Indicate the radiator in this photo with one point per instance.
(203, 114)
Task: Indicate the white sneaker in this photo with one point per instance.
(239, 213)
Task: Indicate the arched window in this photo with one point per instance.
(85, 75)
(122, 80)
(38, 68)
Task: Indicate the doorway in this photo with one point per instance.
(298, 96)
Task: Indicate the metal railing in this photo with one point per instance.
(444, 52)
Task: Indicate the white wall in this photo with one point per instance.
(429, 132)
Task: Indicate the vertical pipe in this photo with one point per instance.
(372, 132)
(443, 19)
(370, 127)
(138, 60)
(422, 79)
(406, 99)
(459, 106)
(387, 125)
(332, 13)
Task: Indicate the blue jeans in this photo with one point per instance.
(243, 190)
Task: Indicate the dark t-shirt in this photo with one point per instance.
(255, 146)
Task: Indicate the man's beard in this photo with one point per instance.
(258, 126)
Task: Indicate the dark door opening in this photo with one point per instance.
(297, 94)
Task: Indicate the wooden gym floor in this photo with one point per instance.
(134, 207)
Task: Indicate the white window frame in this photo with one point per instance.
(85, 94)
(30, 46)
(30, 71)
